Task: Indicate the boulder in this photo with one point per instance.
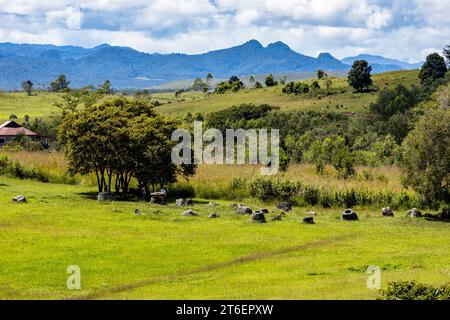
(308, 220)
(137, 211)
(387, 212)
(213, 204)
(265, 211)
(277, 218)
(349, 215)
(243, 210)
(105, 196)
(190, 212)
(20, 199)
(311, 213)
(157, 200)
(258, 217)
(213, 215)
(234, 205)
(183, 202)
(285, 206)
(445, 214)
(413, 213)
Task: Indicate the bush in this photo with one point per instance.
(265, 189)
(296, 88)
(4, 163)
(411, 290)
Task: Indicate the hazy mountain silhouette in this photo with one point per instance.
(129, 68)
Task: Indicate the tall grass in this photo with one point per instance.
(42, 166)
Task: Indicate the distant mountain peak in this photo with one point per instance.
(253, 43)
(102, 46)
(278, 46)
(325, 56)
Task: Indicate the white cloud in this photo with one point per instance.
(400, 28)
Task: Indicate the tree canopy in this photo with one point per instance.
(119, 139)
(359, 76)
(426, 156)
(433, 68)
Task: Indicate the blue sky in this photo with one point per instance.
(403, 29)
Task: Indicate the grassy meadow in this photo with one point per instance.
(163, 255)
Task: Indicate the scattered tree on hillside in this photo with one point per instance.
(426, 156)
(251, 80)
(59, 84)
(199, 85)
(74, 99)
(433, 68)
(321, 74)
(270, 81)
(13, 117)
(359, 76)
(447, 54)
(105, 88)
(209, 78)
(233, 84)
(27, 86)
(258, 85)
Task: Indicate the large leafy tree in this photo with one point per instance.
(119, 139)
(359, 76)
(433, 68)
(426, 156)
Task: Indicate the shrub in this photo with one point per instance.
(311, 195)
(411, 290)
(296, 88)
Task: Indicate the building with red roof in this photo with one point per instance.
(10, 130)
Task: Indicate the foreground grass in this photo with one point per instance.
(163, 255)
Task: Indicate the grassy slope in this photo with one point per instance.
(274, 96)
(42, 103)
(182, 257)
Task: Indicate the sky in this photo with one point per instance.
(402, 29)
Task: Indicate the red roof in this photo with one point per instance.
(11, 128)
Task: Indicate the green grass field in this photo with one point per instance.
(163, 255)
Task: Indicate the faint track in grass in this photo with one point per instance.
(257, 256)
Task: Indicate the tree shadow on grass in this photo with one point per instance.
(118, 197)
(4, 185)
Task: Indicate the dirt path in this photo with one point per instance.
(257, 256)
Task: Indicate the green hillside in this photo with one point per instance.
(41, 104)
(274, 96)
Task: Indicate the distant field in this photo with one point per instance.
(41, 104)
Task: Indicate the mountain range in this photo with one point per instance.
(127, 68)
